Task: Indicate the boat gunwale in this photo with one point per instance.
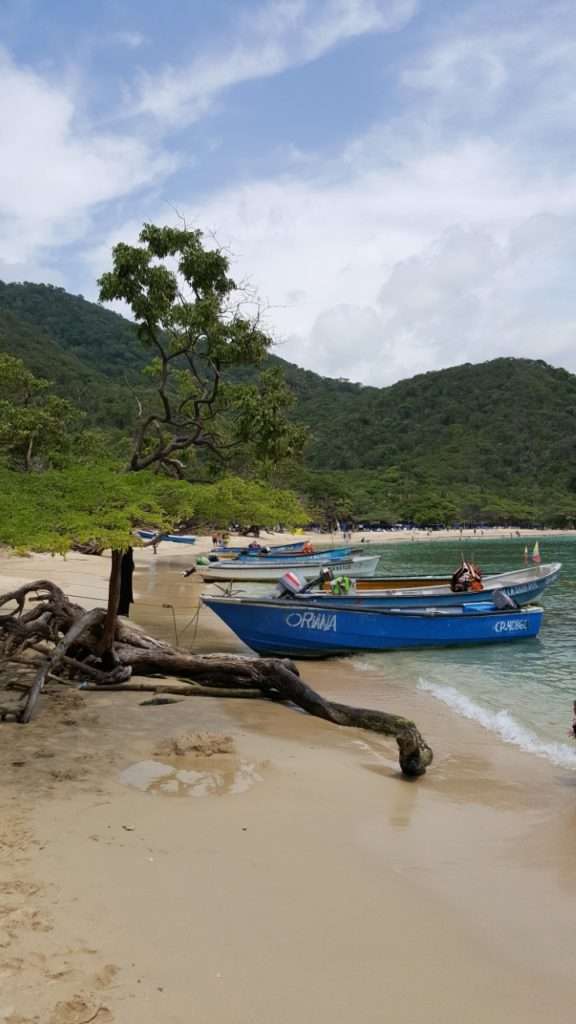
(415, 612)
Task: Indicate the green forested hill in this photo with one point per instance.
(102, 339)
(493, 441)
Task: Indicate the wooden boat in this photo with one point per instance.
(278, 627)
(174, 538)
(252, 571)
(523, 585)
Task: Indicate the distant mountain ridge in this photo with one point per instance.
(505, 428)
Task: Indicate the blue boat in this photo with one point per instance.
(322, 557)
(174, 538)
(525, 586)
(273, 554)
(277, 627)
(278, 549)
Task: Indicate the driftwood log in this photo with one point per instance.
(60, 640)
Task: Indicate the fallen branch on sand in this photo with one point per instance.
(63, 636)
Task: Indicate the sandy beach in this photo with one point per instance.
(336, 539)
(238, 862)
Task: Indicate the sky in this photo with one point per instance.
(395, 178)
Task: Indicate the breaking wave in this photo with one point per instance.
(503, 724)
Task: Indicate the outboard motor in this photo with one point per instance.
(501, 600)
(289, 585)
(324, 576)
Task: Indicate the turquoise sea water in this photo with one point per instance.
(522, 691)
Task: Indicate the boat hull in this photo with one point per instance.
(525, 586)
(247, 572)
(306, 631)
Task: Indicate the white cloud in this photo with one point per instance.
(53, 175)
(470, 298)
(443, 235)
(442, 258)
(283, 34)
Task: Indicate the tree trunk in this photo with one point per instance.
(126, 576)
(109, 628)
(79, 639)
(86, 622)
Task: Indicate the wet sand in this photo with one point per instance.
(294, 875)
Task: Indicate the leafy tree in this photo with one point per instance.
(191, 319)
(329, 497)
(35, 425)
(57, 509)
(262, 425)
(244, 502)
(54, 510)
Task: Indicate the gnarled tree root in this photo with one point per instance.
(69, 639)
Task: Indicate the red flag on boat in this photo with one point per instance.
(536, 553)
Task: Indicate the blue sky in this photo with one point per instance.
(396, 178)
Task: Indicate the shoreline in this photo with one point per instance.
(204, 543)
(313, 882)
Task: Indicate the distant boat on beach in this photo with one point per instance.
(276, 549)
(287, 557)
(174, 538)
(307, 551)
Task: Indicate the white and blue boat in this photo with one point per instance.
(524, 586)
(279, 627)
(251, 570)
(174, 538)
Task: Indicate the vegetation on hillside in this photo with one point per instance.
(492, 442)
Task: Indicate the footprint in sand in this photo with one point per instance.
(78, 1010)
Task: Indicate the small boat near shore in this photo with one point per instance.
(271, 570)
(174, 538)
(328, 555)
(524, 586)
(278, 627)
(268, 554)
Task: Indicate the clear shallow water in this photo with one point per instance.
(523, 692)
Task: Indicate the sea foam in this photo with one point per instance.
(503, 724)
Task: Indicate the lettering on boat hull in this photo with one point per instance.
(312, 620)
(511, 626)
